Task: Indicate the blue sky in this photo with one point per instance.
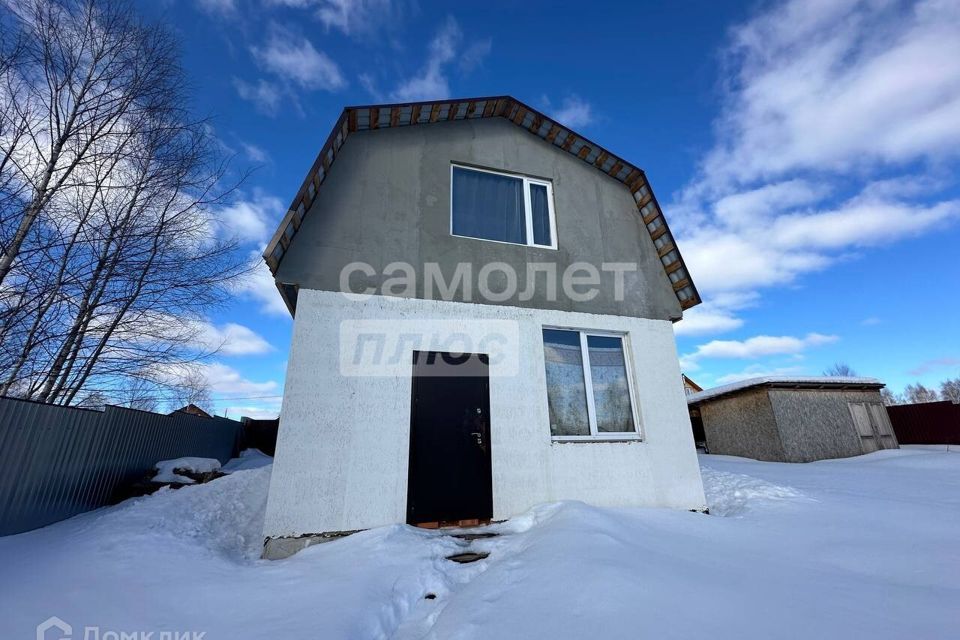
(805, 154)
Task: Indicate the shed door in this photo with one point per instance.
(873, 426)
(881, 424)
(450, 473)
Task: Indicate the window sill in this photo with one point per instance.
(548, 247)
(633, 437)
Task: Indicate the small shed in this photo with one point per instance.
(789, 419)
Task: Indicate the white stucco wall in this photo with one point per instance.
(343, 444)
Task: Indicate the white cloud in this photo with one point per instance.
(870, 321)
(946, 362)
(260, 286)
(370, 86)
(748, 207)
(355, 17)
(217, 7)
(473, 56)
(840, 85)
(295, 59)
(264, 411)
(432, 83)
(230, 339)
(757, 371)
(716, 314)
(573, 112)
(825, 101)
(251, 219)
(264, 95)
(361, 18)
(753, 348)
(254, 153)
(725, 257)
(702, 320)
(225, 380)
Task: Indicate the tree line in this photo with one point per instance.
(109, 252)
(912, 394)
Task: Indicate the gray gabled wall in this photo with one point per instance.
(387, 199)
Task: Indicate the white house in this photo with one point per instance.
(483, 304)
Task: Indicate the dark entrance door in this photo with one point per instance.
(450, 478)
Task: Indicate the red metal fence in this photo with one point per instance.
(926, 423)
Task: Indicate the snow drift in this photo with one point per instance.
(862, 547)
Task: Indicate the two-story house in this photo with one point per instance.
(483, 303)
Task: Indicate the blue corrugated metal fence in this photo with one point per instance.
(56, 462)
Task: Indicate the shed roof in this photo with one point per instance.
(786, 382)
(384, 116)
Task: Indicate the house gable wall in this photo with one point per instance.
(387, 200)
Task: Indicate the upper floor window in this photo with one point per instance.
(502, 207)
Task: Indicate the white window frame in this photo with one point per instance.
(598, 436)
(528, 208)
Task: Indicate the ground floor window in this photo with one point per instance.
(588, 385)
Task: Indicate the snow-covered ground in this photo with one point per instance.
(863, 547)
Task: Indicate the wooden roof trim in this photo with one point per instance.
(494, 106)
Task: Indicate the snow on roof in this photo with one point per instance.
(825, 381)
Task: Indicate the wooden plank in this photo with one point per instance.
(673, 266)
(601, 159)
(680, 284)
(632, 178)
(659, 231)
(650, 217)
(667, 248)
(394, 116)
(352, 120)
(374, 117)
(584, 152)
(452, 113)
(415, 113)
(502, 106)
(569, 141)
(489, 108)
(471, 108)
(615, 169)
(519, 115)
(552, 134)
(536, 124)
(690, 302)
(434, 113)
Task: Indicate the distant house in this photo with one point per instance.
(582, 402)
(193, 410)
(785, 419)
(689, 386)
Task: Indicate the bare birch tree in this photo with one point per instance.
(950, 390)
(192, 388)
(840, 369)
(917, 393)
(109, 251)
